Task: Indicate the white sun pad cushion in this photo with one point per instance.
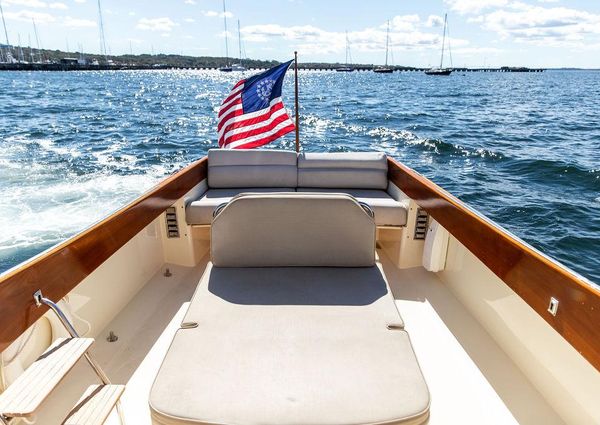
(286, 346)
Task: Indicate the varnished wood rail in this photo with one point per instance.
(533, 276)
(57, 271)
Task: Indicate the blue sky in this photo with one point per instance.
(545, 33)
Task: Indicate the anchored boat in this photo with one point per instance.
(266, 286)
(385, 69)
(348, 64)
(441, 71)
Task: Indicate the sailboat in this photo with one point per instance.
(239, 66)
(347, 67)
(441, 70)
(227, 67)
(385, 69)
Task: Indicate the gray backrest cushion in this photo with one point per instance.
(347, 170)
(252, 168)
(293, 229)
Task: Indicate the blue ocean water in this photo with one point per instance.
(524, 149)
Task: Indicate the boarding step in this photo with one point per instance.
(23, 397)
(95, 405)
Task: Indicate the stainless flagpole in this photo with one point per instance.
(296, 102)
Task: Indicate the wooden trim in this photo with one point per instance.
(57, 271)
(533, 276)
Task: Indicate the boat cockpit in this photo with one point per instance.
(266, 286)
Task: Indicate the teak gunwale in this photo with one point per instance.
(534, 277)
(530, 274)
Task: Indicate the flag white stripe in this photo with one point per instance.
(259, 136)
(256, 126)
(247, 116)
(223, 106)
(233, 108)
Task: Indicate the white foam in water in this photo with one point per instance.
(35, 215)
(45, 203)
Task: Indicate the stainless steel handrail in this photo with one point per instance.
(218, 210)
(367, 208)
(39, 300)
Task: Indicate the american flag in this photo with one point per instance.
(253, 114)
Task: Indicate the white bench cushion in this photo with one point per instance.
(201, 210)
(388, 211)
(287, 346)
(233, 168)
(352, 170)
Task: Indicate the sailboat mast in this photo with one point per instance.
(5, 31)
(346, 47)
(102, 38)
(387, 42)
(37, 40)
(226, 41)
(443, 40)
(240, 41)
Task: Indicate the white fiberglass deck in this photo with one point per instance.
(471, 380)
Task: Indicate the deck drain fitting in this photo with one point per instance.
(189, 325)
(395, 327)
(167, 273)
(112, 337)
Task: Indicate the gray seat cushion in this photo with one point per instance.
(293, 229)
(201, 210)
(388, 211)
(352, 170)
(232, 168)
(284, 346)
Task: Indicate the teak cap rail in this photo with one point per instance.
(533, 276)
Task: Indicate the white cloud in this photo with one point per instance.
(434, 21)
(473, 6)
(311, 39)
(80, 1)
(476, 51)
(78, 23)
(192, 2)
(536, 24)
(28, 15)
(404, 23)
(37, 4)
(156, 24)
(213, 14)
(190, 20)
(27, 3)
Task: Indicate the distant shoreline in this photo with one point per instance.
(312, 67)
(27, 59)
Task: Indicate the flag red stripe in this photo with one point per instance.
(268, 139)
(254, 132)
(232, 95)
(222, 111)
(225, 118)
(250, 121)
